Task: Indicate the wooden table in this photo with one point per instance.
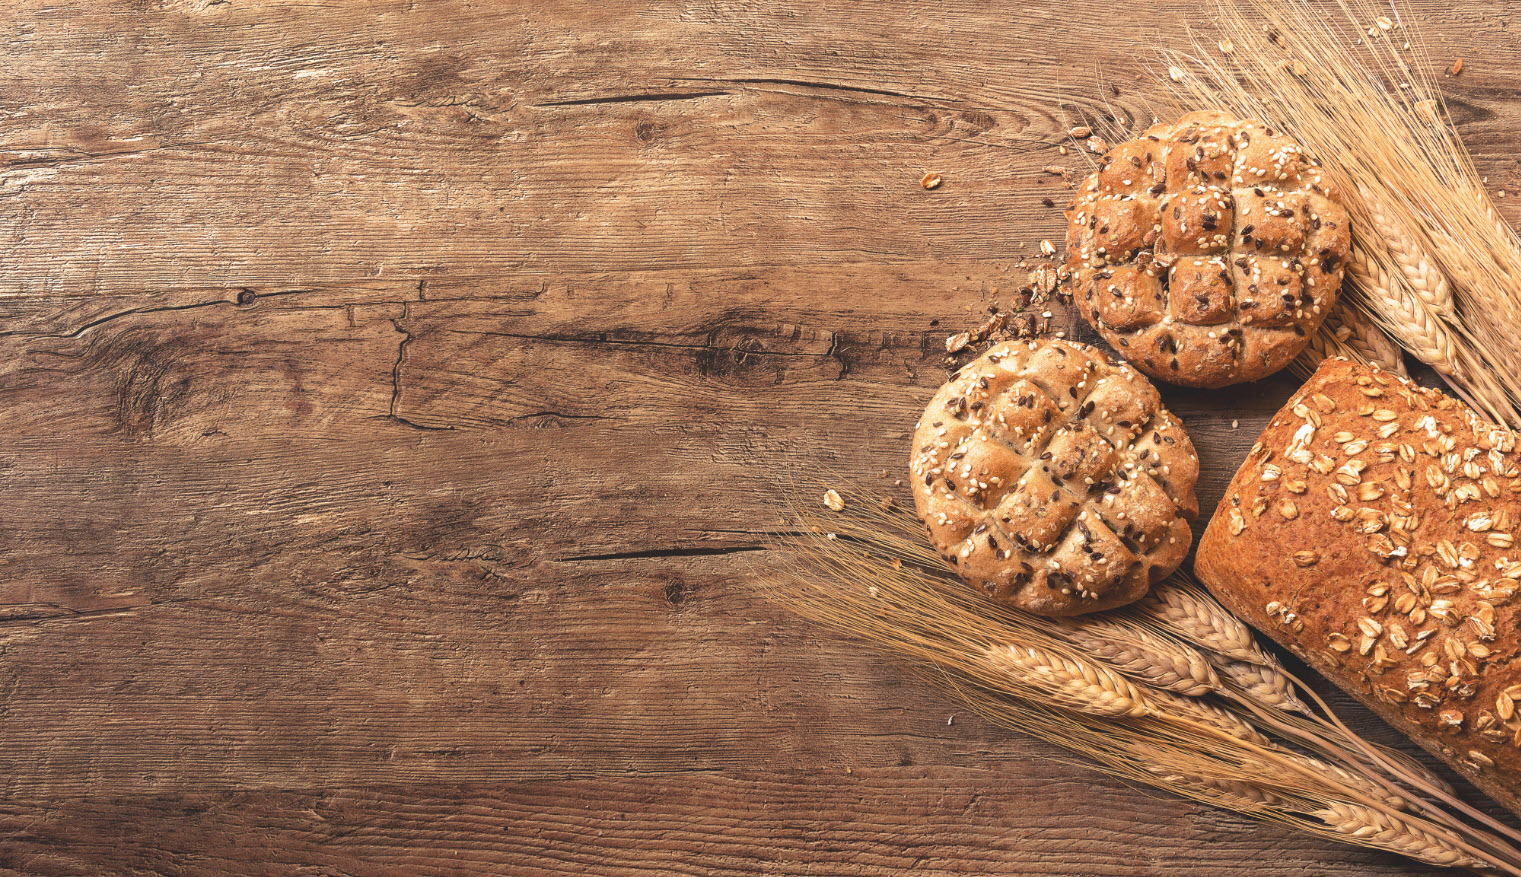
(396, 397)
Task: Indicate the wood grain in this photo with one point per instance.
(398, 397)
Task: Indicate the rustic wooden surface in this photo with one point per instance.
(396, 396)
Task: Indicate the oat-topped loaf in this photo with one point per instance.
(1372, 531)
(1207, 252)
(1054, 479)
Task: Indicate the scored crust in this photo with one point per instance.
(1207, 252)
(1054, 479)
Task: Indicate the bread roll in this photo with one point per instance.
(1207, 252)
(1054, 478)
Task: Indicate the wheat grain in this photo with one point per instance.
(1196, 617)
(1142, 655)
(1387, 831)
(1070, 682)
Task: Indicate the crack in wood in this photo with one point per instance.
(559, 414)
(40, 158)
(826, 86)
(65, 613)
(835, 86)
(633, 98)
(664, 552)
(401, 355)
(245, 297)
(635, 342)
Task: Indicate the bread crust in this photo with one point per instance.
(1370, 532)
(1207, 252)
(1054, 478)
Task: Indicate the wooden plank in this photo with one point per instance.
(283, 145)
(932, 820)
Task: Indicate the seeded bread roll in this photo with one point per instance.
(1371, 531)
(1207, 252)
(1054, 479)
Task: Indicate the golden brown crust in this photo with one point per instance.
(1371, 532)
(1207, 252)
(1054, 479)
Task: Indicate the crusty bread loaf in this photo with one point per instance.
(1054, 479)
(1207, 252)
(1371, 531)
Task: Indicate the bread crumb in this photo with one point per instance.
(930, 181)
(1176, 73)
(1456, 69)
(1235, 423)
(1048, 248)
(833, 500)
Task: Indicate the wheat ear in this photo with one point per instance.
(1324, 344)
(1172, 706)
(1140, 654)
(1347, 333)
(1073, 683)
(1358, 332)
(1405, 316)
(1196, 617)
(1424, 278)
(1230, 793)
(1354, 780)
(1264, 683)
(1390, 832)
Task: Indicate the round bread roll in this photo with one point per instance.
(1054, 479)
(1207, 252)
